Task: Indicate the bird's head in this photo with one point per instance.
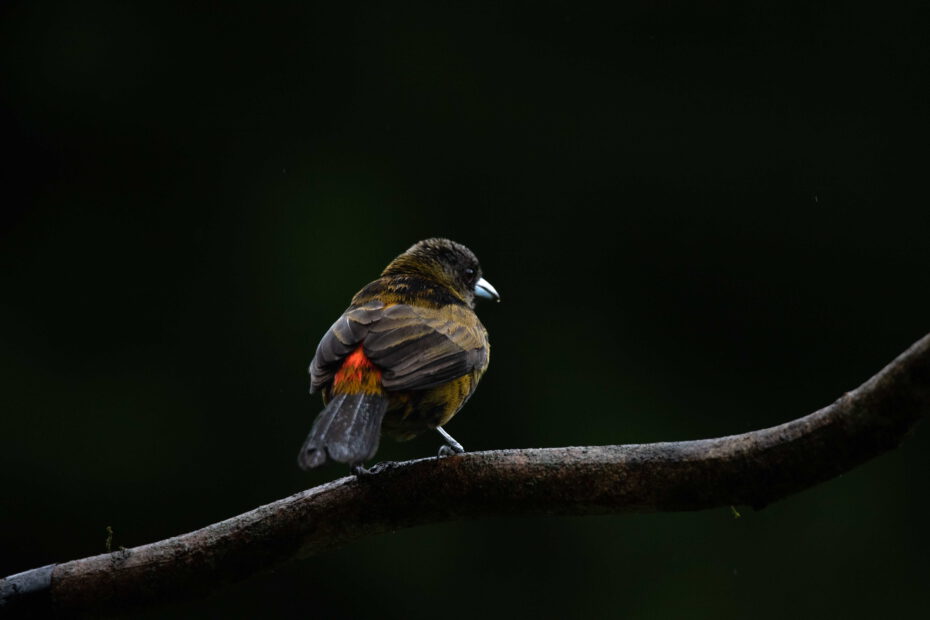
(449, 263)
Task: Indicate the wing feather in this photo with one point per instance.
(340, 339)
(415, 348)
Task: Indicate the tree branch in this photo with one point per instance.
(754, 468)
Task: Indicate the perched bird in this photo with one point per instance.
(403, 358)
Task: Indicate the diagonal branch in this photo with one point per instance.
(754, 468)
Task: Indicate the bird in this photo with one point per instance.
(404, 357)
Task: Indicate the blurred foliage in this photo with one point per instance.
(702, 220)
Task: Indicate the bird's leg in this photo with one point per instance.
(452, 446)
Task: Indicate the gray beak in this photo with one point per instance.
(484, 290)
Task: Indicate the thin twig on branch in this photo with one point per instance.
(753, 469)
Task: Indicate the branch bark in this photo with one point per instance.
(754, 469)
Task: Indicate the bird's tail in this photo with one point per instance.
(347, 430)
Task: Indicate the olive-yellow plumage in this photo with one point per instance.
(403, 358)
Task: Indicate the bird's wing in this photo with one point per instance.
(345, 335)
(416, 348)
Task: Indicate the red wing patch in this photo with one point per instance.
(357, 374)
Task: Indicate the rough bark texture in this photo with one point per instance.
(754, 468)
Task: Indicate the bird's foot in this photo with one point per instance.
(377, 468)
(451, 447)
(445, 450)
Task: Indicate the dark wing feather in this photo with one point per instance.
(415, 348)
(419, 348)
(339, 340)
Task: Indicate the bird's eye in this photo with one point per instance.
(470, 272)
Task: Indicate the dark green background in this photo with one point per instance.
(702, 220)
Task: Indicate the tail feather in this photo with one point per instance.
(347, 430)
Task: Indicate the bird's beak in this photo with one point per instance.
(484, 289)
